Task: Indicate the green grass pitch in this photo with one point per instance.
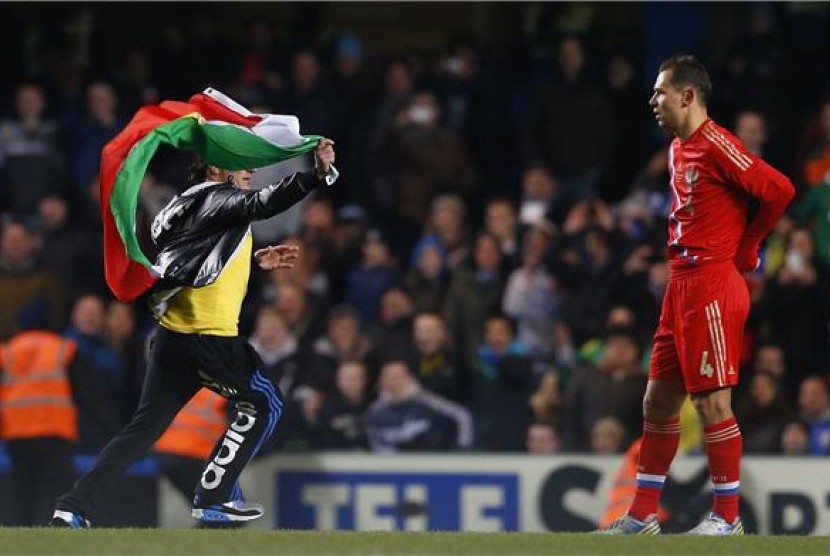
(37, 541)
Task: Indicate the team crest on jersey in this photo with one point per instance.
(691, 181)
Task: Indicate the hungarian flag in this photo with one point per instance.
(223, 132)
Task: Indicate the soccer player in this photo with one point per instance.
(697, 344)
(205, 239)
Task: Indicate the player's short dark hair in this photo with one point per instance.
(686, 70)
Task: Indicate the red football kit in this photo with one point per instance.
(706, 302)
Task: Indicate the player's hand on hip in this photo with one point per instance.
(277, 256)
(747, 258)
(323, 157)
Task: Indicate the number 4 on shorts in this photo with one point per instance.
(705, 368)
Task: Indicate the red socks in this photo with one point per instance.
(660, 439)
(723, 448)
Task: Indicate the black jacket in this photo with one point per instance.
(199, 230)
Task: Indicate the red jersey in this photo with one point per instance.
(713, 176)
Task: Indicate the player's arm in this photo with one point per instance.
(773, 190)
(233, 206)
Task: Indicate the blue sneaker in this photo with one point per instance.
(627, 525)
(714, 525)
(71, 520)
(235, 510)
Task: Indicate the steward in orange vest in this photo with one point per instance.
(38, 420)
(35, 392)
(197, 427)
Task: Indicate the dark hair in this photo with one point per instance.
(511, 323)
(626, 333)
(196, 170)
(686, 70)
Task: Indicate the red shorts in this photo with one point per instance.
(701, 328)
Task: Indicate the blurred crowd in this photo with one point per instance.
(487, 273)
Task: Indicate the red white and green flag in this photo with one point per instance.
(223, 132)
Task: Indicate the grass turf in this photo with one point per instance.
(37, 541)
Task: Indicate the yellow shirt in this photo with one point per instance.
(213, 309)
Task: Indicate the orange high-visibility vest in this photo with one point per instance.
(35, 394)
(198, 426)
(625, 487)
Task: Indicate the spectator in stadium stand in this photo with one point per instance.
(795, 438)
(547, 402)
(504, 378)
(398, 88)
(341, 421)
(122, 335)
(815, 152)
(259, 78)
(532, 295)
(95, 129)
(814, 410)
(812, 213)
(309, 96)
(134, 81)
(407, 417)
(32, 159)
(43, 383)
(769, 358)
(613, 387)
(447, 227)
(418, 160)
(70, 249)
(351, 226)
(775, 251)
(542, 439)
(298, 373)
(475, 291)
(310, 272)
(796, 307)
(344, 340)
(751, 128)
(502, 222)
(304, 319)
(375, 275)
(88, 330)
(26, 289)
(540, 200)
(608, 437)
(570, 127)
(427, 279)
(392, 333)
(620, 316)
(595, 281)
(317, 221)
(197, 343)
(763, 414)
(434, 362)
(317, 226)
(277, 348)
(354, 96)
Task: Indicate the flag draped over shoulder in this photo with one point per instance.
(223, 132)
